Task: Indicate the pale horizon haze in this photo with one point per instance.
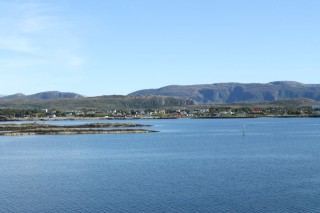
(116, 47)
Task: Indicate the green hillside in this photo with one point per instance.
(99, 103)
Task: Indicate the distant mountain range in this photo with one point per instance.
(171, 96)
(42, 96)
(238, 92)
(68, 100)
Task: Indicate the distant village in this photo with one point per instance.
(210, 112)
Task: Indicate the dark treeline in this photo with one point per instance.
(20, 113)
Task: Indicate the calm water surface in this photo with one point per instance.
(189, 166)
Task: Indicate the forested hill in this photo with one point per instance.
(99, 103)
(238, 92)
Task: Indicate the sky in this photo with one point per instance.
(106, 47)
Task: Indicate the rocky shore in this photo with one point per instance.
(94, 128)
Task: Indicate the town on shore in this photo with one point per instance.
(199, 112)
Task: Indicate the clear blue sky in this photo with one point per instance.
(106, 47)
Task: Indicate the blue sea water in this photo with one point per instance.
(191, 165)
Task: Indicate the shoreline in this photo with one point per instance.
(82, 118)
(148, 118)
(95, 128)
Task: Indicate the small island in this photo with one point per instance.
(93, 128)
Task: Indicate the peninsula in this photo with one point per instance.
(93, 128)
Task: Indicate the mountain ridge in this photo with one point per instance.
(217, 93)
(42, 96)
(238, 92)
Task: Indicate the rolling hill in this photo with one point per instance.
(98, 103)
(238, 92)
(43, 96)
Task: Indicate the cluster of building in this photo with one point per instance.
(198, 113)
